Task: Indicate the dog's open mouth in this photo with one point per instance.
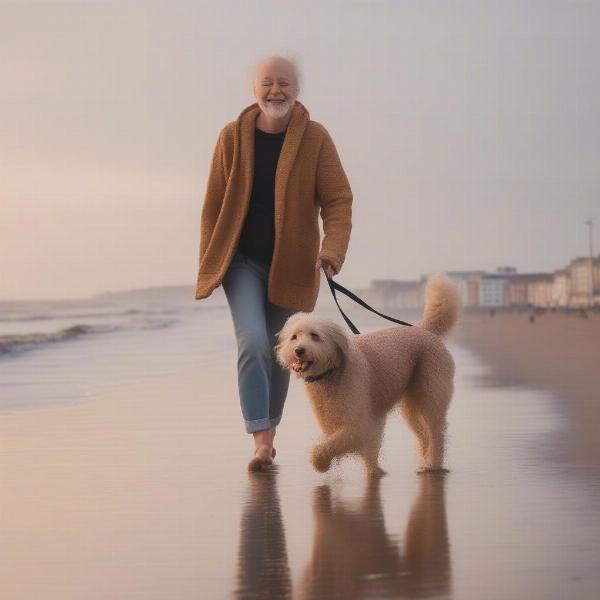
(300, 366)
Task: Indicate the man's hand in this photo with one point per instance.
(327, 268)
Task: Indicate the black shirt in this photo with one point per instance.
(257, 239)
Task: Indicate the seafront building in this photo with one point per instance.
(395, 294)
(561, 288)
(585, 281)
(468, 283)
(575, 286)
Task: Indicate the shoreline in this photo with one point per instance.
(556, 353)
(154, 473)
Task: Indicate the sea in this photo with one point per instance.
(66, 351)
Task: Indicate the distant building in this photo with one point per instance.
(580, 276)
(584, 273)
(561, 288)
(491, 290)
(525, 289)
(576, 285)
(468, 283)
(539, 290)
(506, 270)
(393, 294)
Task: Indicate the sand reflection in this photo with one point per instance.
(263, 570)
(354, 557)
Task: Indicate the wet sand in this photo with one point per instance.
(142, 492)
(556, 352)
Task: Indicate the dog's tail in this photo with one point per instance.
(442, 305)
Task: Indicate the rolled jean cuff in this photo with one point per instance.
(261, 424)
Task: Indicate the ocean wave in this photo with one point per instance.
(91, 315)
(12, 344)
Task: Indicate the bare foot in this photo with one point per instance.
(433, 470)
(262, 459)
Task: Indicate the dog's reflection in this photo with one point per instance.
(354, 557)
(263, 570)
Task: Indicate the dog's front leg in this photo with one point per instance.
(338, 443)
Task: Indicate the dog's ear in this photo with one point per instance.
(337, 335)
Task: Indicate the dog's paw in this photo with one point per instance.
(320, 459)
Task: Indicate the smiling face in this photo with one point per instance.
(276, 87)
(309, 346)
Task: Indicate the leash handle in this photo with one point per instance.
(333, 285)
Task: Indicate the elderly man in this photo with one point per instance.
(273, 171)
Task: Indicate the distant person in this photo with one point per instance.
(273, 170)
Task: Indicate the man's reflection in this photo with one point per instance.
(263, 570)
(354, 557)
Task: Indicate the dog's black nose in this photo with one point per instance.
(298, 350)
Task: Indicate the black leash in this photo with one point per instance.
(333, 285)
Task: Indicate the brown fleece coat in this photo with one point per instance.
(309, 179)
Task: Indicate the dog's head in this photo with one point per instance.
(309, 345)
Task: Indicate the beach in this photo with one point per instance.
(556, 352)
(139, 489)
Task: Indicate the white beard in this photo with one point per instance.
(277, 110)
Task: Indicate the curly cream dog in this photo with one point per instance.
(354, 382)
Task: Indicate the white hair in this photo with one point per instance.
(288, 58)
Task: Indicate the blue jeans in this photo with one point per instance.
(262, 382)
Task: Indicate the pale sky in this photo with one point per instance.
(469, 131)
